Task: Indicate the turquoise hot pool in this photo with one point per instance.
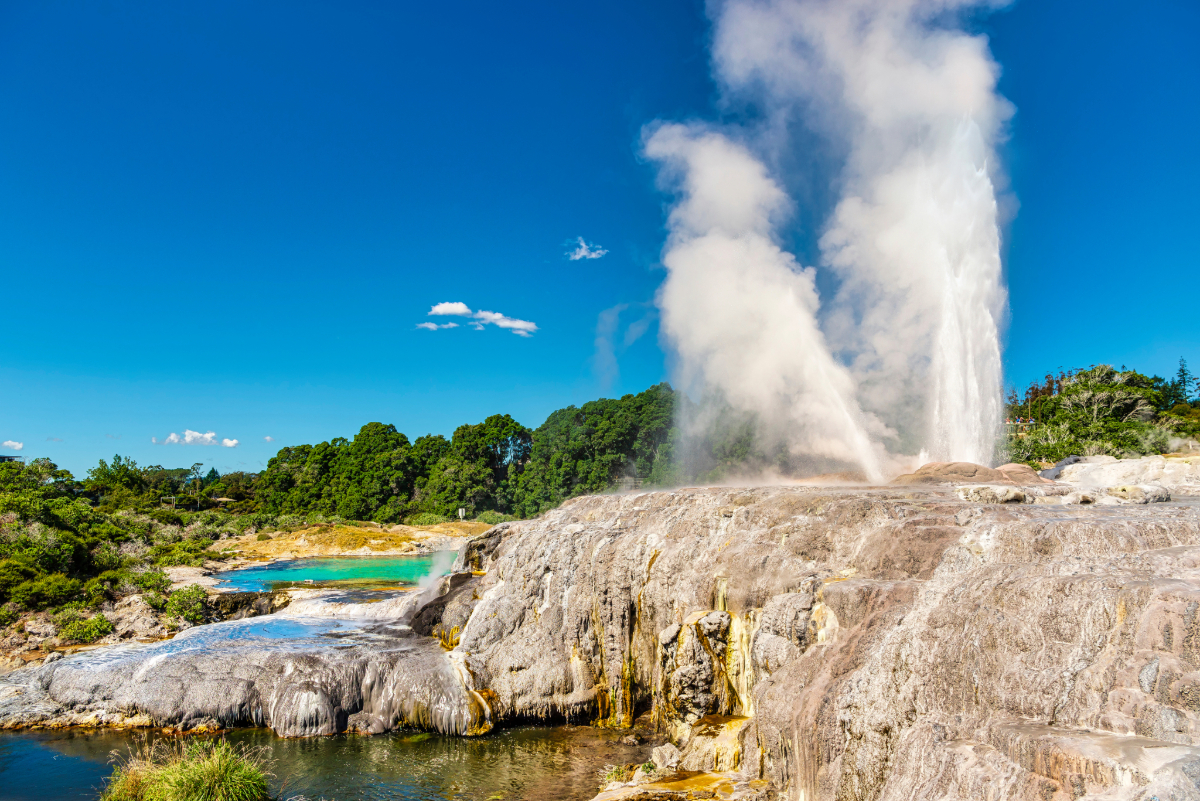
(338, 572)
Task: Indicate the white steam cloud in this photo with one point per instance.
(740, 311)
(12, 444)
(905, 355)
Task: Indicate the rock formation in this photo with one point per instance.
(798, 643)
(1177, 474)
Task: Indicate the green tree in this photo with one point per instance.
(593, 447)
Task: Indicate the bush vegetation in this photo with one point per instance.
(88, 630)
(187, 604)
(189, 770)
(1103, 411)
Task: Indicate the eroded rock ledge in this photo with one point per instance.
(899, 643)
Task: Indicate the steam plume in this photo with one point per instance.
(909, 104)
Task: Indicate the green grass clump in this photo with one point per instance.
(263, 537)
(88, 630)
(616, 773)
(199, 770)
(188, 604)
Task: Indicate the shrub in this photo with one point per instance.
(151, 581)
(492, 518)
(426, 519)
(106, 557)
(69, 613)
(88, 630)
(263, 537)
(168, 517)
(188, 604)
(13, 573)
(7, 616)
(53, 590)
(190, 553)
(198, 770)
(156, 601)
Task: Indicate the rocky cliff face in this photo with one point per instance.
(901, 643)
(863, 644)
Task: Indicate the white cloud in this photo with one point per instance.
(521, 328)
(268, 439)
(191, 437)
(585, 251)
(453, 308)
(53, 439)
(229, 443)
(12, 444)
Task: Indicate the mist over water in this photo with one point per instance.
(901, 362)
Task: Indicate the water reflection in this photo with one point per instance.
(534, 763)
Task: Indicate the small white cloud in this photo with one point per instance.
(521, 328)
(112, 436)
(454, 309)
(268, 439)
(229, 443)
(585, 251)
(12, 444)
(191, 437)
(479, 319)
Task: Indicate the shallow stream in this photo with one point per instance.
(533, 763)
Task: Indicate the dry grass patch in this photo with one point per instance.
(365, 538)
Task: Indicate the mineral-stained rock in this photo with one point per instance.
(952, 473)
(666, 757)
(133, 618)
(1139, 493)
(239, 605)
(987, 493)
(1178, 475)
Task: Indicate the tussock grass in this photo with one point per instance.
(194, 770)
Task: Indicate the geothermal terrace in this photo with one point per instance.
(966, 634)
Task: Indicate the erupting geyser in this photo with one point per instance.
(904, 357)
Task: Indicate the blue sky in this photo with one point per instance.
(231, 218)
